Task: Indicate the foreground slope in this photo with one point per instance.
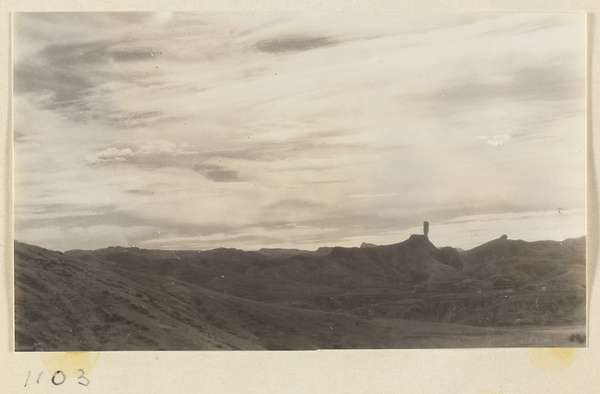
(407, 295)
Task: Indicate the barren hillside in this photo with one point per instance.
(406, 295)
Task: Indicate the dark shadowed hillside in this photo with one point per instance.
(407, 295)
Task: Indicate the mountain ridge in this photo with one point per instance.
(130, 298)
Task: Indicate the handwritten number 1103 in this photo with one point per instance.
(59, 377)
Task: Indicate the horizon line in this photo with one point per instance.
(289, 248)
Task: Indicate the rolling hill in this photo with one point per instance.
(406, 295)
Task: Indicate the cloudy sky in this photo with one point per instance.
(196, 131)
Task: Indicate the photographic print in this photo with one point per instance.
(299, 180)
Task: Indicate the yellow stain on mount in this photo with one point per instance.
(70, 362)
(552, 359)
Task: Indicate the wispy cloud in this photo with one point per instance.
(201, 126)
(146, 153)
(217, 173)
(294, 44)
(544, 82)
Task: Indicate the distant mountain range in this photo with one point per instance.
(406, 295)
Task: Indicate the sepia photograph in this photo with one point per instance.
(299, 180)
